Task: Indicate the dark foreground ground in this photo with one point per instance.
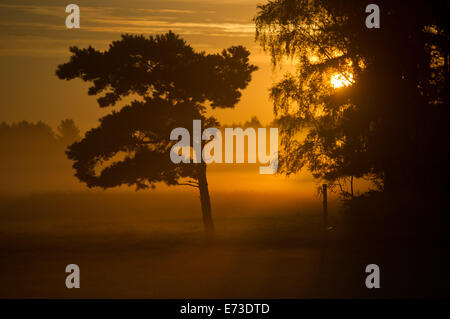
(151, 246)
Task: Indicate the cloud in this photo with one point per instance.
(46, 24)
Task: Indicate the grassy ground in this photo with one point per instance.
(151, 245)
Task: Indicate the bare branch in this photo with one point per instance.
(188, 184)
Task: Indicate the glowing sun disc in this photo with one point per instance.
(338, 80)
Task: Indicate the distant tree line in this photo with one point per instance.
(36, 135)
(253, 122)
(32, 155)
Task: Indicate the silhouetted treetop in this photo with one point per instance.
(160, 66)
(390, 122)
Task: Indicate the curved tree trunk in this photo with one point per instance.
(205, 202)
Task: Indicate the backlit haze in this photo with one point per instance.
(34, 40)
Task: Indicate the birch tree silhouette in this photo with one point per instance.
(390, 123)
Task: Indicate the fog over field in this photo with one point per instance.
(105, 108)
(151, 243)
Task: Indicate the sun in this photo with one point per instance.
(338, 80)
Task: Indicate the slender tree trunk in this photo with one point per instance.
(351, 187)
(205, 202)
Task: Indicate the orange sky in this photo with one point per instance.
(34, 40)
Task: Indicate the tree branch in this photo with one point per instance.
(188, 184)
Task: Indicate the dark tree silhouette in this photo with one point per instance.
(174, 85)
(68, 132)
(391, 123)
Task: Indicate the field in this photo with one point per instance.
(151, 245)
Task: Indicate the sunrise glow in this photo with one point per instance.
(339, 80)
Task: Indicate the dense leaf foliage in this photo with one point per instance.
(390, 122)
(172, 84)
